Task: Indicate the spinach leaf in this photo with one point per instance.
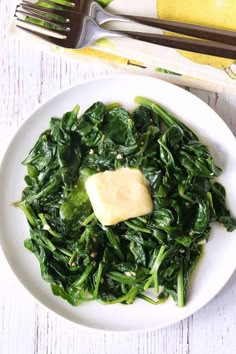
(119, 127)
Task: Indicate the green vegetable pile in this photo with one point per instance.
(82, 259)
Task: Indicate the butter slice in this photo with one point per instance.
(119, 195)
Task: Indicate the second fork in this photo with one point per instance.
(76, 30)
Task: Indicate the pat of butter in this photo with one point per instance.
(119, 195)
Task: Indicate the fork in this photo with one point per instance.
(92, 9)
(73, 29)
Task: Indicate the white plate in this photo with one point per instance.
(218, 262)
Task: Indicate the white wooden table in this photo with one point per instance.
(28, 78)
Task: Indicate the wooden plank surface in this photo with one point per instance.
(28, 78)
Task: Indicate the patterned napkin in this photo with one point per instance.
(180, 67)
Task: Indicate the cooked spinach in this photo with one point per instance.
(82, 259)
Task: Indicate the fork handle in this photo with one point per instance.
(102, 16)
(199, 31)
(191, 45)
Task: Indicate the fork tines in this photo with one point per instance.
(30, 9)
(67, 5)
(54, 26)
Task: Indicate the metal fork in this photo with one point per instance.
(88, 7)
(92, 9)
(71, 29)
(63, 28)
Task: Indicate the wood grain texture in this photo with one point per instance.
(27, 78)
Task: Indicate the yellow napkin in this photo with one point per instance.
(181, 67)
